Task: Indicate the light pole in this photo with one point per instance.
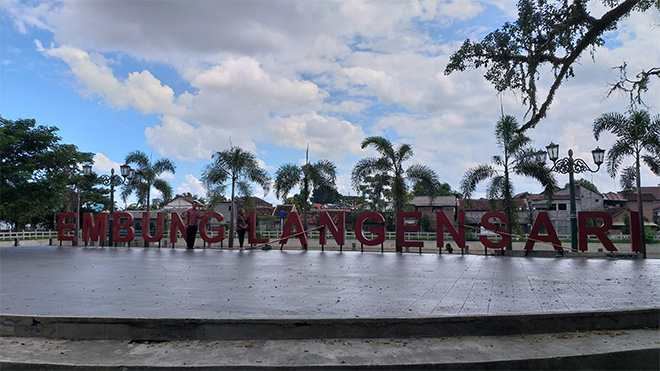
(569, 165)
(112, 180)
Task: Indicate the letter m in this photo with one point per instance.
(95, 229)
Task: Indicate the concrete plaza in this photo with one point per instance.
(251, 287)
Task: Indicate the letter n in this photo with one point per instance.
(442, 223)
(177, 225)
(338, 232)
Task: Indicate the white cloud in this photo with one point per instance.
(285, 74)
(103, 164)
(192, 185)
(326, 136)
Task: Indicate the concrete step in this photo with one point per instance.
(634, 349)
(157, 329)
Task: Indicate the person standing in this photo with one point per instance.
(191, 218)
(242, 226)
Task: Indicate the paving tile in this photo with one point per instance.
(213, 283)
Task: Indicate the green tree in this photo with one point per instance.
(548, 35)
(520, 158)
(324, 194)
(390, 165)
(307, 177)
(586, 184)
(444, 189)
(239, 169)
(147, 175)
(36, 170)
(375, 192)
(298, 202)
(638, 135)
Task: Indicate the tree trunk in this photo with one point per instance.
(640, 207)
(232, 211)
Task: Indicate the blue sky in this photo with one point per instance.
(183, 79)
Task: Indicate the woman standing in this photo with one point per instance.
(242, 226)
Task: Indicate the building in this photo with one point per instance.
(440, 204)
(559, 209)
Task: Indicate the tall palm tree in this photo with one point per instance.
(147, 176)
(240, 169)
(520, 158)
(638, 135)
(390, 164)
(307, 177)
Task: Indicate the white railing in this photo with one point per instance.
(33, 235)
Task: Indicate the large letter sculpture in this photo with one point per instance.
(493, 228)
(378, 231)
(543, 220)
(584, 230)
(402, 228)
(62, 227)
(118, 226)
(177, 225)
(293, 221)
(219, 228)
(252, 232)
(338, 232)
(95, 231)
(146, 226)
(442, 222)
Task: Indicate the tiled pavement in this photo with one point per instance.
(230, 284)
(483, 312)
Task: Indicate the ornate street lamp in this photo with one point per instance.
(112, 180)
(569, 165)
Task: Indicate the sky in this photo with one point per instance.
(184, 79)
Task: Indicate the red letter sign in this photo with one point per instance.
(442, 223)
(146, 226)
(635, 235)
(583, 230)
(293, 221)
(130, 232)
(252, 232)
(62, 226)
(337, 232)
(486, 224)
(177, 225)
(543, 220)
(378, 231)
(402, 228)
(220, 229)
(94, 231)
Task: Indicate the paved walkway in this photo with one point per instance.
(230, 284)
(134, 308)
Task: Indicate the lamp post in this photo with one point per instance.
(112, 180)
(569, 165)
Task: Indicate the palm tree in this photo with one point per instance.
(241, 169)
(519, 158)
(307, 177)
(390, 164)
(638, 135)
(147, 175)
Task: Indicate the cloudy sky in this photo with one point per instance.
(183, 79)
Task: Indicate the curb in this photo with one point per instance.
(102, 328)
